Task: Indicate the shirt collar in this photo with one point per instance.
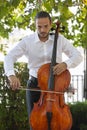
(37, 38)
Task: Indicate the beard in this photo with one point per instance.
(43, 35)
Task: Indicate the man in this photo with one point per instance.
(37, 47)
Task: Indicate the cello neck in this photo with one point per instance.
(53, 60)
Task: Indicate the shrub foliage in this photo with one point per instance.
(13, 114)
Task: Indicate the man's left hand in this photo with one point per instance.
(59, 68)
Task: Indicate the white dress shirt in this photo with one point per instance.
(39, 53)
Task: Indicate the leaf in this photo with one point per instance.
(12, 14)
(19, 19)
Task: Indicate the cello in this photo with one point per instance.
(51, 112)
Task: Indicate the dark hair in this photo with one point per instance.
(42, 14)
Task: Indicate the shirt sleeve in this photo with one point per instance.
(12, 57)
(74, 56)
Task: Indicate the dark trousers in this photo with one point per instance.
(31, 96)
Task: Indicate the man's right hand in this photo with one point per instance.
(14, 82)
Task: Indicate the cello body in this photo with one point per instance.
(51, 102)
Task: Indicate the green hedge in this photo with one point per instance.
(79, 114)
(13, 114)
